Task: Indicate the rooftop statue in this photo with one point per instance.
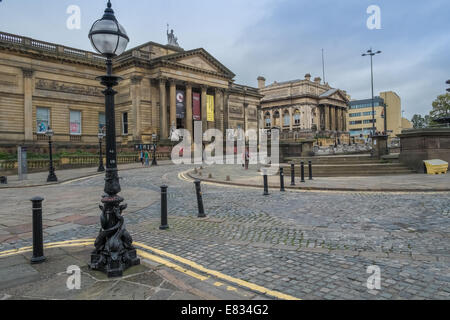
(171, 39)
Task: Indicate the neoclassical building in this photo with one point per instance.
(45, 84)
(303, 106)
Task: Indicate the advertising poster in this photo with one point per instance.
(196, 107)
(210, 108)
(181, 104)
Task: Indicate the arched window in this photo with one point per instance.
(276, 119)
(286, 119)
(267, 121)
(297, 118)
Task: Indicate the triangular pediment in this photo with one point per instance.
(199, 59)
(334, 94)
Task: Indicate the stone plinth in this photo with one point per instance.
(296, 149)
(418, 145)
(380, 146)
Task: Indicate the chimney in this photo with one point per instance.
(308, 77)
(261, 82)
(317, 80)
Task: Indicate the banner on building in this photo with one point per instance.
(181, 104)
(196, 107)
(210, 108)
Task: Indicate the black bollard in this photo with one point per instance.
(38, 239)
(266, 183)
(198, 190)
(310, 170)
(303, 171)
(282, 180)
(292, 174)
(164, 223)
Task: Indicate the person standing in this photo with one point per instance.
(147, 159)
(141, 156)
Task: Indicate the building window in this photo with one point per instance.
(42, 120)
(369, 121)
(267, 120)
(101, 122)
(297, 118)
(125, 123)
(355, 122)
(286, 119)
(352, 115)
(75, 123)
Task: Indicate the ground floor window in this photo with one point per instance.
(125, 123)
(297, 117)
(102, 122)
(286, 119)
(42, 120)
(75, 122)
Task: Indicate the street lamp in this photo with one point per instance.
(371, 54)
(51, 170)
(155, 139)
(114, 251)
(448, 82)
(101, 168)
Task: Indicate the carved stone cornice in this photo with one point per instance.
(135, 79)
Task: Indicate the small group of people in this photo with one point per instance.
(145, 158)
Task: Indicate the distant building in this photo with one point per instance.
(360, 115)
(303, 106)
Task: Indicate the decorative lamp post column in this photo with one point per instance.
(155, 144)
(371, 54)
(51, 170)
(101, 168)
(114, 251)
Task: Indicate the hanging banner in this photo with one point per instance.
(181, 104)
(210, 108)
(196, 107)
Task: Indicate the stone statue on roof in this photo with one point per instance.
(171, 39)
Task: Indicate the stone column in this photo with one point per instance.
(204, 112)
(326, 111)
(136, 106)
(291, 119)
(163, 108)
(189, 116)
(219, 109)
(333, 118)
(173, 103)
(28, 104)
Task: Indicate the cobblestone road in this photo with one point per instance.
(312, 245)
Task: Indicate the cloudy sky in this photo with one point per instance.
(279, 39)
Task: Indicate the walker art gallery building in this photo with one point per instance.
(44, 84)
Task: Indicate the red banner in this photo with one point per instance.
(196, 107)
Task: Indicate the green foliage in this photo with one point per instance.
(441, 107)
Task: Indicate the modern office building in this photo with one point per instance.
(360, 115)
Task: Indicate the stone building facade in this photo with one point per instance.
(304, 107)
(45, 84)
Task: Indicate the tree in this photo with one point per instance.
(441, 107)
(418, 121)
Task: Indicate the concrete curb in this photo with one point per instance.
(317, 188)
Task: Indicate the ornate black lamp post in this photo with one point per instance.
(101, 168)
(155, 141)
(51, 170)
(114, 251)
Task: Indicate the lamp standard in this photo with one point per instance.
(448, 82)
(51, 170)
(101, 168)
(371, 54)
(114, 251)
(155, 141)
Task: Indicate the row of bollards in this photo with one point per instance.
(201, 209)
(282, 188)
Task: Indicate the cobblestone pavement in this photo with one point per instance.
(311, 245)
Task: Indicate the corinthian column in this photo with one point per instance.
(28, 104)
(204, 112)
(163, 108)
(173, 103)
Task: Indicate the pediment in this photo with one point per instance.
(198, 62)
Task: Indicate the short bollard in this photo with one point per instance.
(282, 180)
(198, 190)
(38, 239)
(303, 171)
(266, 183)
(310, 170)
(292, 174)
(164, 222)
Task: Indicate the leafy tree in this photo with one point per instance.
(441, 107)
(418, 121)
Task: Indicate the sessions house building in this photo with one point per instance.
(164, 87)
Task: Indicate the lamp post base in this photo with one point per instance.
(52, 178)
(101, 169)
(114, 252)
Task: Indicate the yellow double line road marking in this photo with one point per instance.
(193, 265)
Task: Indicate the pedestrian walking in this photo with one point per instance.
(141, 157)
(147, 159)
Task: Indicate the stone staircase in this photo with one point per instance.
(349, 165)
